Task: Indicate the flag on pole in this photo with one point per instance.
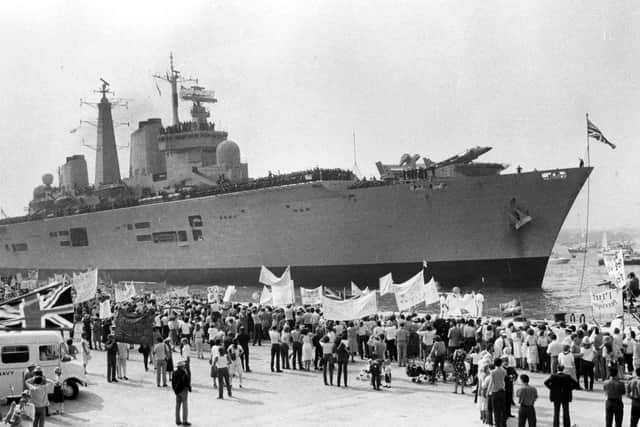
(228, 293)
(595, 133)
(386, 283)
(265, 296)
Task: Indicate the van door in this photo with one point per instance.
(13, 361)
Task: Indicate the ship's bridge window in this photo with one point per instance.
(144, 238)
(164, 237)
(19, 247)
(197, 235)
(63, 233)
(140, 225)
(195, 221)
(182, 236)
(79, 237)
(53, 234)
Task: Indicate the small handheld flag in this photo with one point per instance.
(595, 133)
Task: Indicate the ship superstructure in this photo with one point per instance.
(189, 213)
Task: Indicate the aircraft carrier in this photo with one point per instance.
(190, 214)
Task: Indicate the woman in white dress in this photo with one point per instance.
(307, 350)
(517, 347)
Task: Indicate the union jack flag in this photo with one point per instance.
(595, 133)
(50, 307)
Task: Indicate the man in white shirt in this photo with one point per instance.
(274, 336)
(567, 360)
(553, 350)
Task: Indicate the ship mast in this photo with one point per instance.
(173, 78)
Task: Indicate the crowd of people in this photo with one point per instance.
(492, 360)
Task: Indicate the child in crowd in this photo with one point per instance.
(430, 370)
(387, 373)
(375, 370)
(58, 396)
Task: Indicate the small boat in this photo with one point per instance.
(577, 250)
(557, 259)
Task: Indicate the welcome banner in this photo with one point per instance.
(606, 304)
(311, 296)
(351, 309)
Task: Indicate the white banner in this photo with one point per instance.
(86, 285)
(181, 292)
(270, 279)
(410, 293)
(615, 268)
(355, 290)
(265, 296)
(105, 309)
(228, 293)
(351, 309)
(282, 295)
(386, 282)
(311, 296)
(458, 305)
(125, 291)
(606, 304)
(431, 292)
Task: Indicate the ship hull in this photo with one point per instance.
(329, 232)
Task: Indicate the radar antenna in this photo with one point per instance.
(173, 78)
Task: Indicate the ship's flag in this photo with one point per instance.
(50, 307)
(86, 285)
(595, 133)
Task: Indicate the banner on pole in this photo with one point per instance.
(431, 294)
(606, 304)
(270, 279)
(282, 294)
(134, 328)
(86, 285)
(311, 296)
(265, 296)
(124, 291)
(386, 282)
(105, 309)
(410, 293)
(615, 268)
(228, 293)
(350, 309)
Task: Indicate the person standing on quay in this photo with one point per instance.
(527, 396)
(343, 352)
(402, 340)
(181, 384)
(633, 392)
(243, 339)
(112, 354)
(560, 387)
(496, 393)
(221, 362)
(274, 336)
(614, 389)
(160, 362)
(327, 360)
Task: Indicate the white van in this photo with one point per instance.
(19, 349)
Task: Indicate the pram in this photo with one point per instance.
(417, 373)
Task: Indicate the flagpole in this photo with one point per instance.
(586, 234)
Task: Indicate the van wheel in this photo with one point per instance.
(70, 390)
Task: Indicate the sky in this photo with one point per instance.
(296, 79)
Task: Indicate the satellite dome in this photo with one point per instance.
(228, 153)
(47, 179)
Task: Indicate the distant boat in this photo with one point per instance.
(578, 249)
(557, 259)
(630, 256)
